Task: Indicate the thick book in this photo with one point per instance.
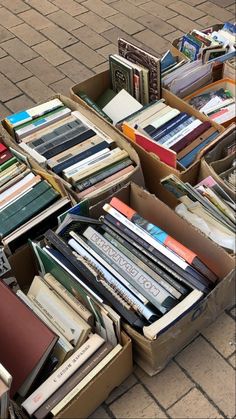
(43, 392)
(143, 58)
(26, 341)
(158, 234)
(73, 381)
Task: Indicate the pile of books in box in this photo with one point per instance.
(68, 144)
(27, 200)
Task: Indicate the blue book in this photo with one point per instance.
(171, 126)
(79, 157)
(151, 130)
(187, 160)
(177, 130)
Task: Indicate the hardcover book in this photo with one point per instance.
(143, 58)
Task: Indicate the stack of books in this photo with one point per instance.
(207, 206)
(68, 144)
(218, 103)
(210, 44)
(147, 276)
(173, 135)
(49, 347)
(28, 202)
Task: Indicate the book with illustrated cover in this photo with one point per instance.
(143, 58)
(121, 75)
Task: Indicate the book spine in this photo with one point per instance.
(165, 262)
(137, 82)
(143, 266)
(79, 157)
(69, 298)
(86, 380)
(137, 250)
(117, 288)
(43, 392)
(70, 143)
(94, 106)
(82, 372)
(145, 284)
(81, 186)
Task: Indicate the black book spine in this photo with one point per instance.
(79, 157)
(180, 274)
(131, 317)
(118, 236)
(77, 139)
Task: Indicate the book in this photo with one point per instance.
(121, 106)
(93, 373)
(121, 75)
(69, 298)
(4, 400)
(73, 381)
(157, 295)
(194, 278)
(143, 58)
(41, 394)
(63, 347)
(74, 328)
(160, 235)
(23, 350)
(161, 325)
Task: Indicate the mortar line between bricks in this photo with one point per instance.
(219, 353)
(198, 387)
(181, 397)
(153, 397)
(230, 356)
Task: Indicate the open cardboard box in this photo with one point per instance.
(136, 175)
(110, 377)
(153, 355)
(153, 168)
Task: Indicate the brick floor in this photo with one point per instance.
(46, 46)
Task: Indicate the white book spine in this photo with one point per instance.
(149, 239)
(40, 159)
(182, 134)
(45, 390)
(71, 170)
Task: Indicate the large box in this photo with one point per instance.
(153, 355)
(110, 377)
(136, 175)
(153, 168)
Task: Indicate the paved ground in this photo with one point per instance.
(46, 47)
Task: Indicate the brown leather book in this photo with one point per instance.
(26, 341)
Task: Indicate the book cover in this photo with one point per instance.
(27, 340)
(121, 75)
(143, 58)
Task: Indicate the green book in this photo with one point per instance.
(105, 98)
(121, 75)
(40, 118)
(7, 164)
(36, 202)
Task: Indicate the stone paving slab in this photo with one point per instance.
(45, 47)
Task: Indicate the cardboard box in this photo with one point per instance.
(153, 356)
(110, 377)
(135, 176)
(153, 168)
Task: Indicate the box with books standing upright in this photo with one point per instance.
(72, 391)
(144, 215)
